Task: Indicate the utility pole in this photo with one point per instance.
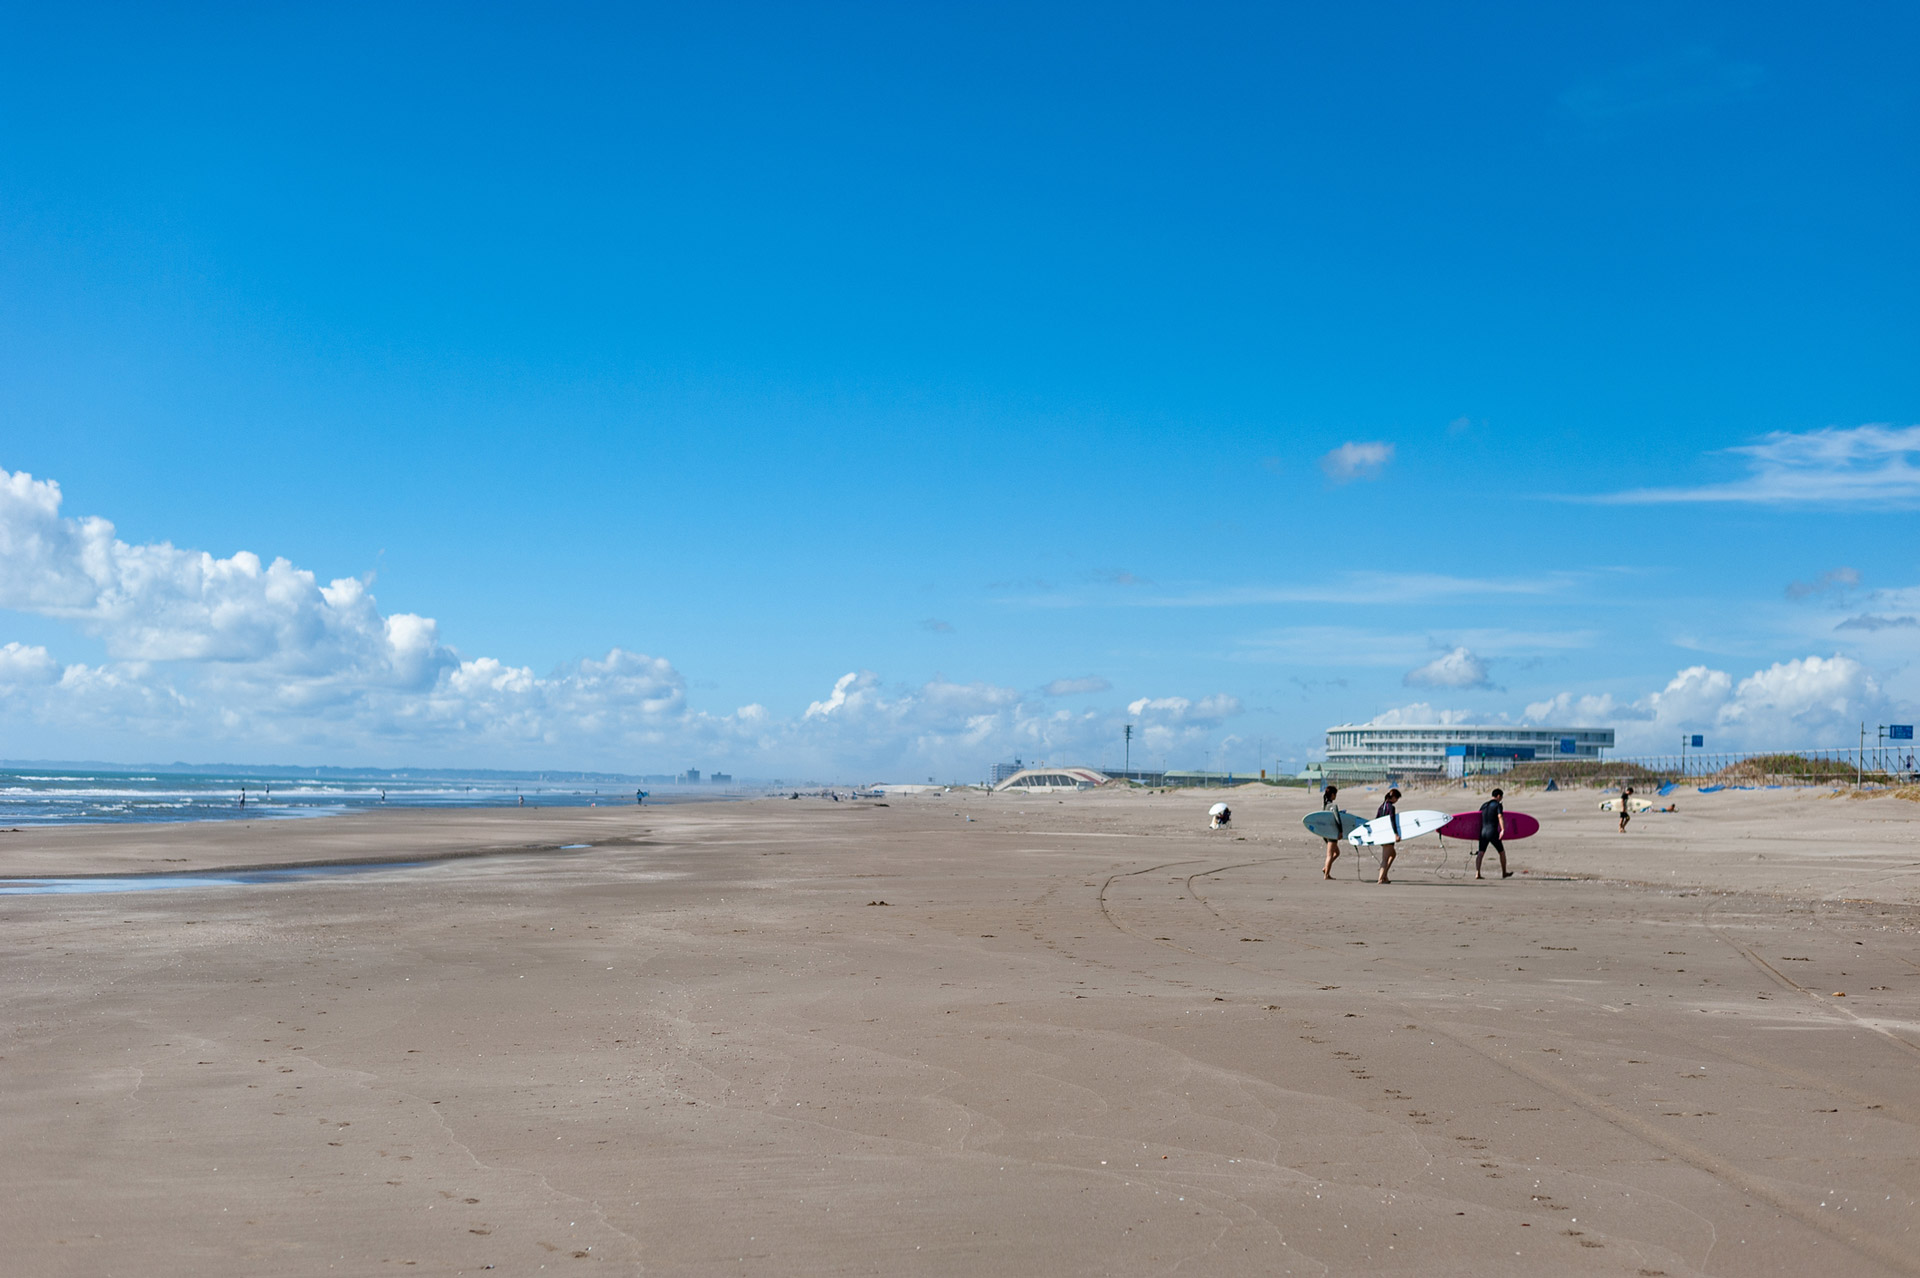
(1860, 759)
(1126, 768)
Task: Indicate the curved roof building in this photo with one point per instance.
(1044, 780)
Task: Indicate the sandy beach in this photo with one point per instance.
(968, 1034)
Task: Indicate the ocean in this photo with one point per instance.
(53, 796)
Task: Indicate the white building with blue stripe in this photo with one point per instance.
(1358, 751)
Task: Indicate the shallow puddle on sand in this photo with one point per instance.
(214, 878)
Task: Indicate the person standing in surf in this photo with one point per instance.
(1626, 807)
(1493, 829)
(1327, 797)
(1393, 818)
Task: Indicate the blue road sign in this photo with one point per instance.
(1900, 732)
(1698, 740)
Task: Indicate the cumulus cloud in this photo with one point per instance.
(1077, 687)
(158, 603)
(1873, 464)
(20, 664)
(240, 649)
(1805, 703)
(1353, 461)
(252, 657)
(1166, 726)
(1456, 669)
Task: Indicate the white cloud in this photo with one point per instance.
(1806, 703)
(1456, 669)
(205, 649)
(1424, 715)
(1167, 727)
(158, 603)
(20, 664)
(1353, 461)
(245, 658)
(946, 728)
(848, 688)
(1871, 465)
(1171, 710)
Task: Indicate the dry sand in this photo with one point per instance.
(1081, 1036)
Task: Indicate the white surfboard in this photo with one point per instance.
(1637, 805)
(1335, 823)
(1412, 826)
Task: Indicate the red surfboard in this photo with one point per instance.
(1466, 825)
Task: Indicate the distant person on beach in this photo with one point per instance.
(1327, 797)
(1387, 850)
(1493, 828)
(1626, 807)
(640, 798)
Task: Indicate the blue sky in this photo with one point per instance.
(1231, 373)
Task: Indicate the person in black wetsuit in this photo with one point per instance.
(1387, 849)
(1493, 828)
(1327, 797)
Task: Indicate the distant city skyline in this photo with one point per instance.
(870, 393)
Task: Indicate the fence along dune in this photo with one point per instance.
(1873, 766)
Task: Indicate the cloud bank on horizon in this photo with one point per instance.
(1807, 703)
(207, 654)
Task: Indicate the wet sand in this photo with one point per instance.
(1081, 1036)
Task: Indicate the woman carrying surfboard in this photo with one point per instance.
(1393, 817)
(1327, 796)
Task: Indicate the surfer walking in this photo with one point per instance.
(1626, 807)
(1327, 797)
(1392, 814)
(1493, 829)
